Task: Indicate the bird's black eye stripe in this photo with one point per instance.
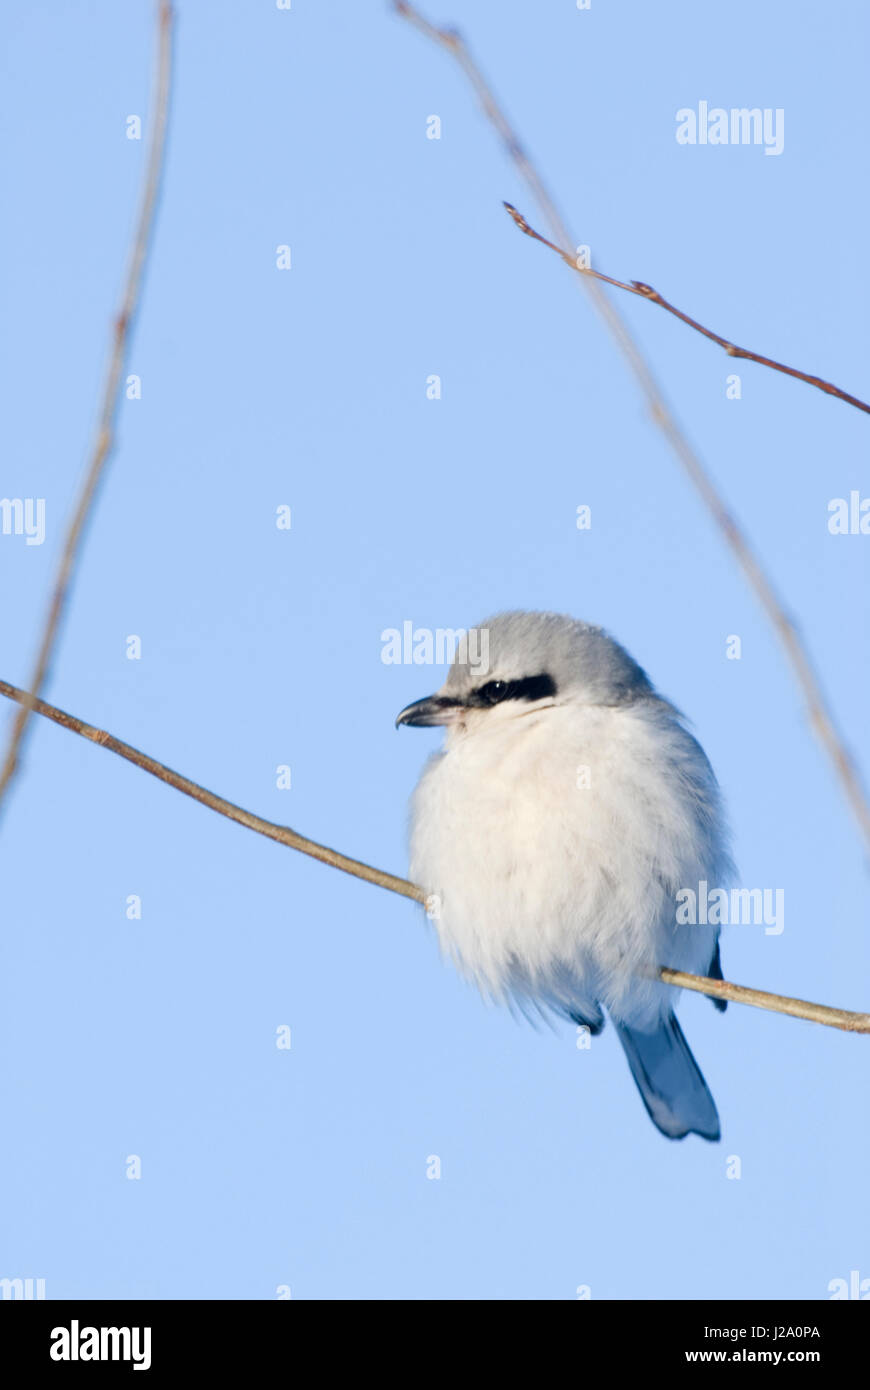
(529, 688)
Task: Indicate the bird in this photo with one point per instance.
(551, 834)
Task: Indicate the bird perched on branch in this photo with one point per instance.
(567, 809)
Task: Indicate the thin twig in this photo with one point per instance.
(282, 833)
(819, 711)
(645, 291)
(104, 440)
(844, 1019)
(718, 989)
(452, 40)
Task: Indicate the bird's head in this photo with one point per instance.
(529, 662)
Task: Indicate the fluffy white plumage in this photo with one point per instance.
(567, 809)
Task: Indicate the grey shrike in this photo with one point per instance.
(567, 809)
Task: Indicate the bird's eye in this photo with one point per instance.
(530, 688)
(493, 691)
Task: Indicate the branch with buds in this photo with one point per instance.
(647, 292)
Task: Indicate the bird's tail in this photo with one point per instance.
(669, 1080)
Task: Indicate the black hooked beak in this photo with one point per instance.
(435, 709)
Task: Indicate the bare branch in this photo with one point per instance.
(282, 833)
(819, 711)
(717, 989)
(104, 441)
(647, 292)
(843, 1019)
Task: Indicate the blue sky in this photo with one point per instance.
(307, 1168)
